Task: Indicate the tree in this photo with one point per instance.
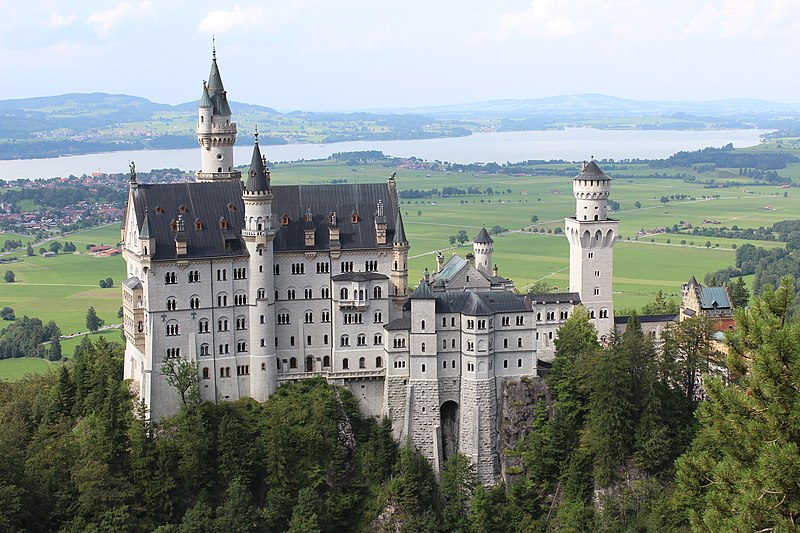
(452, 239)
(120, 313)
(462, 236)
(183, 376)
(109, 283)
(456, 487)
(708, 244)
(637, 204)
(689, 344)
(534, 219)
(93, 322)
(9, 277)
(741, 472)
(29, 251)
(54, 353)
(55, 246)
(739, 293)
(102, 284)
(7, 313)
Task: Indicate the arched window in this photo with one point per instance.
(519, 342)
(362, 362)
(172, 304)
(423, 367)
(519, 363)
(376, 293)
(423, 347)
(343, 293)
(172, 328)
(345, 364)
(378, 362)
(326, 361)
(344, 341)
(422, 325)
(202, 326)
(293, 362)
(206, 373)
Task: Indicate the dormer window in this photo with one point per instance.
(159, 210)
(198, 224)
(285, 219)
(231, 208)
(332, 218)
(174, 225)
(223, 224)
(354, 217)
(183, 210)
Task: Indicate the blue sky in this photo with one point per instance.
(364, 54)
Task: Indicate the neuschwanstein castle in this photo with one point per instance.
(262, 285)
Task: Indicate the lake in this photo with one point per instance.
(573, 144)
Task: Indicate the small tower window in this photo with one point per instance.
(198, 225)
(354, 217)
(285, 219)
(183, 210)
(223, 224)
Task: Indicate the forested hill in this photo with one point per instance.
(630, 439)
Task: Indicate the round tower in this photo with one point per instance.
(216, 133)
(483, 247)
(258, 235)
(591, 236)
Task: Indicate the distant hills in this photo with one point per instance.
(76, 123)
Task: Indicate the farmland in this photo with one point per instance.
(61, 288)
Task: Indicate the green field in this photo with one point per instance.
(16, 369)
(61, 288)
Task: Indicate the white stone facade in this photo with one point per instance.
(263, 285)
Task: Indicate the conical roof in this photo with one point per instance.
(144, 233)
(483, 237)
(399, 230)
(216, 91)
(257, 180)
(422, 292)
(205, 99)
(592, 172)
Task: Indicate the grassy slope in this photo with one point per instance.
(16, 369)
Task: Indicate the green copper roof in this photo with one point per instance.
(205, 99)
(399, 231)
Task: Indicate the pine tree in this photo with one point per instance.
(93, 322)
(739, 294)
(743, 469)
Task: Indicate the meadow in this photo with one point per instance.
(16, 369)
(62, 288)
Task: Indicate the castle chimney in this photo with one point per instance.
(495, 271)
(439, 261)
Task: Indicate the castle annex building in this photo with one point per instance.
(263, 284)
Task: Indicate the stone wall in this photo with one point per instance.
(516, 399)
(478, 439)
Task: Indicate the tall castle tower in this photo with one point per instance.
(399, 274)
(591, 236)
(215, 131)
(258, 235)
(483, 246)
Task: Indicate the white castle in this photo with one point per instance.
(261, 285)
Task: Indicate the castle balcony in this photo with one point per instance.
(330, 374)
(358, 305)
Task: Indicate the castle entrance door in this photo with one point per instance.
(449, 425)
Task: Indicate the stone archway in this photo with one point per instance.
(449, 428)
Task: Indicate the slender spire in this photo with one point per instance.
(258, 176)
(216, 90)
(144, 233)
(399, 230)
(205, 99)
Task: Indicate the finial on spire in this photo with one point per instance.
(256, 134)
(213, 47)
(133, 172)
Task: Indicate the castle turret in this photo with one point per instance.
(215, 131)
(591, 236)
(258, 235)
(483, 246)
(399, 276)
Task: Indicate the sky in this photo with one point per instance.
(321, 55)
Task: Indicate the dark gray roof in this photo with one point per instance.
(216, 91)
(359, 276)
(400, 230)
(592, 172)
(483, 237)
(132, 283)
(555, 297)
(257, 177)
(481, 303)
(144, 231)
(207, 202)
(422, 292)
(361, 198)
(402, 323)
(647, 318)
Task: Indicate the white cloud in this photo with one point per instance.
(104, 21)
(546, 18)
(220, 21)
(57, 20)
